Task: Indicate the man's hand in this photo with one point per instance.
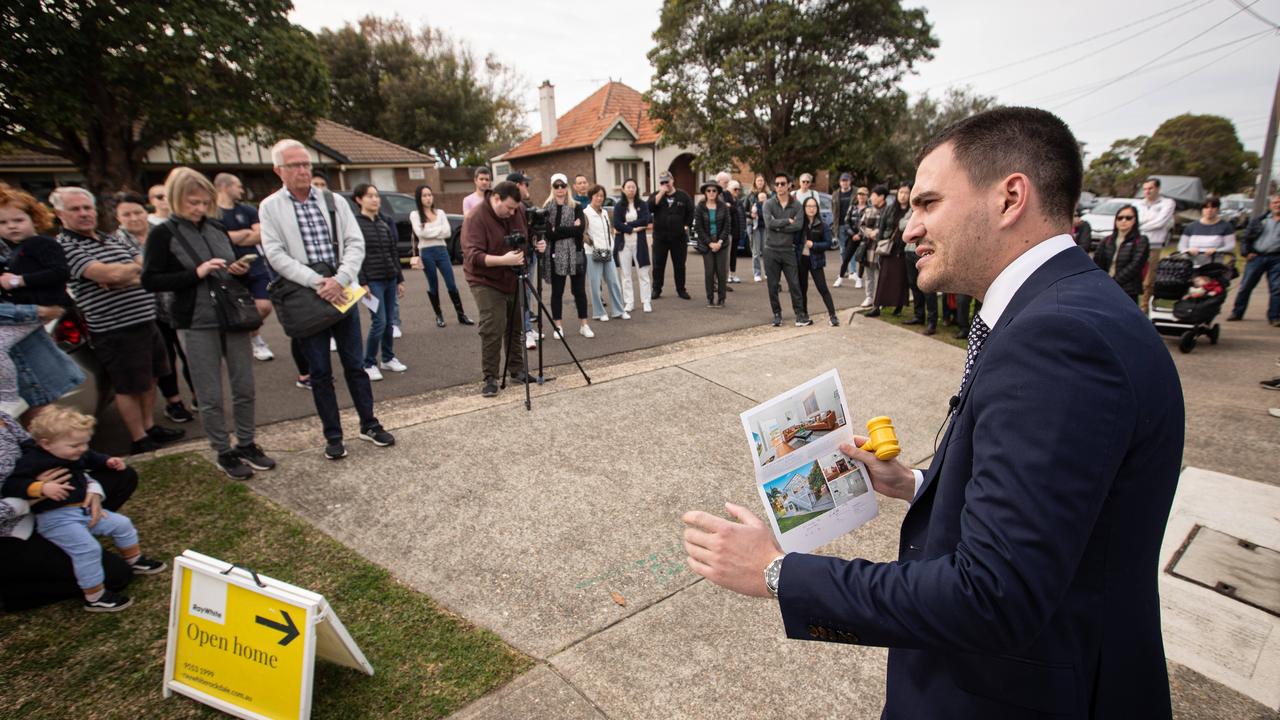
(540, 246)
(48, 312)
(330, 290)
(730, 554)
(512, 258)
(9, 281)
(890, 478)
(1250, 256)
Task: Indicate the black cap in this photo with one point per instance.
(518, 177)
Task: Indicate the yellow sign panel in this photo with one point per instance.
(243, 647)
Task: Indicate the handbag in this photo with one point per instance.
(884, 248)
(232, 303)
(603, 255)
(302, 312)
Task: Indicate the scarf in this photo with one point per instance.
(567, 257)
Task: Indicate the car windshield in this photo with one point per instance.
(1110, 207)
(400, 203)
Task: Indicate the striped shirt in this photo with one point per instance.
(1215, 238)
(314, 229)
(103, 309)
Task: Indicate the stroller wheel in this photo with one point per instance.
(1213, 333)
(1187, 342)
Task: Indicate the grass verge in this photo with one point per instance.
(61, 662)
(944, 334)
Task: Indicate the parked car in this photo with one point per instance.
(398, 205)
(1087, 201)
(1102, 218)
(1235, 210)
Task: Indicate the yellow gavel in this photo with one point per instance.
(881, 439)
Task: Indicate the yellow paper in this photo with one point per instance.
(350, 296)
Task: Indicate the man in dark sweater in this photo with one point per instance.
(489, 264)
(782, 220)
(672, 211)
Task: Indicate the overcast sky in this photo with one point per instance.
(1111, 68)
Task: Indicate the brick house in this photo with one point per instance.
(608, 137)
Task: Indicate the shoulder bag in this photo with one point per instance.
(232, 302)
(302, 312)
(602, 255)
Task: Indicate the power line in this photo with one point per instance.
(1073, 61)
(1155, 59)
(1256, 37)
(1254, 13)
(1069, 46)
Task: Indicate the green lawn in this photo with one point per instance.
(61, 662)
(786, 523)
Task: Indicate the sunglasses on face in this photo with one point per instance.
(559, 186)
(780, 184)
(1126, 218)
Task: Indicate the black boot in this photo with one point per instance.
(435, 305)
(457, 305)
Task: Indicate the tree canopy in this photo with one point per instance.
(1205, 146)
(101, 83)
(783, 85)
(421, 89)
(1115, 172)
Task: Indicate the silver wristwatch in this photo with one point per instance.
(772, 573)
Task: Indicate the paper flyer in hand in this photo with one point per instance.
(812, 492)
(349, 297)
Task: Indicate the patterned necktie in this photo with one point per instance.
(978, 332)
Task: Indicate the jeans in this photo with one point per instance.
(606, 271)
(776, 265)
(209, 348)
(1268, 265)
(715, 274)
(435, 259)
(346, 334)
(757, 251)
(380, 332)
(627, 260)
(68, 528)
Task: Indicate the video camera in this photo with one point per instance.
(539, 220)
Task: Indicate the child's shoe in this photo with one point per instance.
(109, 602)
(146, 566)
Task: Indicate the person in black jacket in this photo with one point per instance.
(568, 259)
(812, 243)
(1123, 254)
(380, 273)
(713, 229)
(672, 211)
(186, 255)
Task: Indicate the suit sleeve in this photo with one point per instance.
(1034, 494)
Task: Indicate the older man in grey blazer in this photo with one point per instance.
(303, 227)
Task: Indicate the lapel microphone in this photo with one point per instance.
(952, 404)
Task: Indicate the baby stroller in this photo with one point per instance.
(1188, 295)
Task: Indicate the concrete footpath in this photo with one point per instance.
(558, 529)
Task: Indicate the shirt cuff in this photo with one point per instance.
(919, 481)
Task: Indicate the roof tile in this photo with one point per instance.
(589, 119)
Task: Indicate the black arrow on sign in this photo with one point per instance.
(287, 627)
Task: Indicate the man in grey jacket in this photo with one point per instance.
(782, 220)
(302, 226)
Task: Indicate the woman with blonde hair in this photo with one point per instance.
(191, 257)
(566, 224)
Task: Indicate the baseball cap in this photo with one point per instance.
(664, 177)
(518, 177)
(846, 176)
(559, 177)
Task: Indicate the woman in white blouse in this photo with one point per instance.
(598, 243)
(431, 252)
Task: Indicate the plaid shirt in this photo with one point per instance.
(314, 229)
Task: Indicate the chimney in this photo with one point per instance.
(547, 107)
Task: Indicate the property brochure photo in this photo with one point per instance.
(812, 492)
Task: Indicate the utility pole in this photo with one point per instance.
(1268, 156)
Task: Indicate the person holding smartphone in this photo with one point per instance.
(672, 211)
(180, 255)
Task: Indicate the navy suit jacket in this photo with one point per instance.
(1025, 585)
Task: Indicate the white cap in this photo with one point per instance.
(559, 177)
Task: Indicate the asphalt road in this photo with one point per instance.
(444, 357)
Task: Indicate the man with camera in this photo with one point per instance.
(672, 211)
(495, 237)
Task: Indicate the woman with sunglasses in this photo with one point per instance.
(568, 261)
(1123, 254)
(712, 230)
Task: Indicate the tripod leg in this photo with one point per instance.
(524, 345)
(543, 311)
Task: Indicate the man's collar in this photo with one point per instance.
(312, 194)
(95, 236)
(1016, 273)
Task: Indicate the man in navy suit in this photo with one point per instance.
(1025, 584)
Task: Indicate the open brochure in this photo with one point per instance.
(812, 492)
(350, 295)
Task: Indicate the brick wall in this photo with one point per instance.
(542, 167)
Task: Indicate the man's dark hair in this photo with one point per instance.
(881, 190)
(128, 196)
(361, 190)
(1034, 142)
(318, 173)
(1155, 180)
(507, 190)
(782, 175)
(482, 171)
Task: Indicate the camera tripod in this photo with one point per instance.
(518, 311)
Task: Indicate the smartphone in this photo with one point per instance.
(248, 258)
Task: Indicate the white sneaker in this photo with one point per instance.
(626, 315)
(395, 331)
(558, 334)
(373, 372)
(866, 303)
(333, 345)
(585, 331)
(758, 278)
(628, 308)
(394, 365)
(648, 307)
(839, 281)
(260, 349)
(734, 279)
(857, 281)
(531, 340)
(604, 318)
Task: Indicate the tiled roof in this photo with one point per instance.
(589, 119)
(358, 148)
(13, 155)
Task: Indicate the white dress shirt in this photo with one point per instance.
(1006, 285)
